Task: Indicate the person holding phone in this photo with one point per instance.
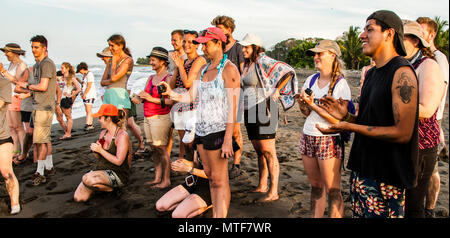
(217, 87)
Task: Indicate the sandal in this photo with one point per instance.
(18, 161)
(65, 137)
(142, 151)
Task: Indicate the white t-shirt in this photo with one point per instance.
(341, 90)
(443, 64)
(89, 78)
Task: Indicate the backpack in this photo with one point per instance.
(344, 136)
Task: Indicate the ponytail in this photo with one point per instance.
(336, 72)
(119, 40)
(120, 119)
(426, 51)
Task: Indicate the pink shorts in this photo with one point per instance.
(320, 147)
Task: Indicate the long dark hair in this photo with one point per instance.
(120, 119)
(119, 40)
(256, 51)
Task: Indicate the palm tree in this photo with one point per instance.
(441, 40)
(351, 48)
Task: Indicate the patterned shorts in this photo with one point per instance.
(371, 199)
(320, 147)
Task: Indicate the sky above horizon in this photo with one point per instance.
(78, 29)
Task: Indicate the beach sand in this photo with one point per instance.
(72, 158)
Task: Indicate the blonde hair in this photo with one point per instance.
(336, 72)
(71, 73)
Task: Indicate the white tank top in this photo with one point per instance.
(212, 111)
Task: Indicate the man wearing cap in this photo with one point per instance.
(217, 88)
(233, 50)
(431, 91)
(429, 33)
(88, 91)
(384, 153)
(44, 92)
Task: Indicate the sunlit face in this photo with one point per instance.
(429, 37)
(188, 45)
(324, 60)
(115, 48)
(226, 31)
(177, 42)
(248, 51)
(209, 48)
(411, 45)
(38, 49)
(64, 70)
(156, 63)
(9, 55)
(372, 38)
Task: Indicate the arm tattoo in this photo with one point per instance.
(371, 128)
(405, 89)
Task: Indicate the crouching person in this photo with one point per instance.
(112, 151)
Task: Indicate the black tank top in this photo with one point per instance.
(383, 161)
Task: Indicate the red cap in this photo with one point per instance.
(209, 34)
(107, 110)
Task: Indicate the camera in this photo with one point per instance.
(161, 88)
(308, 91)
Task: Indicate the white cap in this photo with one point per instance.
(190, 130)
(251, 39)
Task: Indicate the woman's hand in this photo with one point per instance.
(176, 58)
(181, 166)
(96, 147)
(309, 100)
(169, 92)
(1, 67)
(144, 95)
(227, 149)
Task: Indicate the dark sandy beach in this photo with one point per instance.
(72, 158)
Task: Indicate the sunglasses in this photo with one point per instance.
(190, 32)
(204, 32)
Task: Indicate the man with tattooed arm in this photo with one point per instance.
(384, 153)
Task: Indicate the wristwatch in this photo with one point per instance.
(28, 86)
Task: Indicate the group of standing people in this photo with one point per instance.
(205, 98)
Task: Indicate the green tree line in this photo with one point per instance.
(293, 51)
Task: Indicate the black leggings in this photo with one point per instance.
(415, 197)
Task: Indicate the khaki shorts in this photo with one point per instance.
(42, 121)
(157, 129)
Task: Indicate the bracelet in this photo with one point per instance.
(191, 171)
(347, 117)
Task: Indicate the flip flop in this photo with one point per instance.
(65, 137)
(18, 161)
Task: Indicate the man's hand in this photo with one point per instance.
(22, 84)
(336, 108)
(334, 128)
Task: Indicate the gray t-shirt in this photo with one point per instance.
(45, 101)
(26, 104)
(236, 56)
(5, 95)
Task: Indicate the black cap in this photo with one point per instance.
(160, 53)
(392, 20)
(81, 66)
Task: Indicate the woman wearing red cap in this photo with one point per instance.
(112, 150)
(216, 88)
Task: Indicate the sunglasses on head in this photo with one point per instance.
(190, 32)
(204, 32)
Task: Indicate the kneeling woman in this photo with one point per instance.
(191, 198)
(112, 150)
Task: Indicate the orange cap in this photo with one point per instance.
(107, 110)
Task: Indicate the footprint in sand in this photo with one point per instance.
(51, 186)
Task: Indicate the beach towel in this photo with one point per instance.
(271, 73)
